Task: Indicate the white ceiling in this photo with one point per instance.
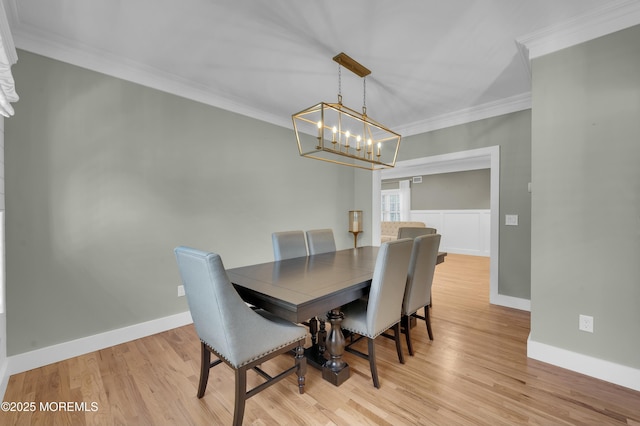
(430, 59)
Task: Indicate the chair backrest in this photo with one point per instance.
(412, 231)
(420, 276)
(320, 241)
(221, 318)
(288, 244)
(387, 286)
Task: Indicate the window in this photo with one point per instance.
(390, 205)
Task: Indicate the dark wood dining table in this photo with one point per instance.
(303, 288)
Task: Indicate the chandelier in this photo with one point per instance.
(335, 133)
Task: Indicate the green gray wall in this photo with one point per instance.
(586, 197)
(512, 132)
(453, 191)
(104, 178)
(470, 189)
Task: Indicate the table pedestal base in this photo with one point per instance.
(336, 378)
(335, 370)
(316, 354)
(315, 358)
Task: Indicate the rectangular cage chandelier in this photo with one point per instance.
(335, 133)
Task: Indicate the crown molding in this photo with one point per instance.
(490, 109)
(596, 23)
(31, 40)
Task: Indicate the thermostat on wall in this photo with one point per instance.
(511, 219)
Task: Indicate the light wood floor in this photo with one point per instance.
(475, 372)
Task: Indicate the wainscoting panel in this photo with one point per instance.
(463, 231)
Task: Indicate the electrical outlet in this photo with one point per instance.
(585, 323)
(180, 290)
(511, 220)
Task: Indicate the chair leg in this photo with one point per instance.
(322, 331)
(205, 366)
(313, 330)
(396, 334)
(241, 396)
(301, 367)
(372, 363)
(407, 332)
(322, 336)
(427, 319)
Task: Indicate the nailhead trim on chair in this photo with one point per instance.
(254, 358)
(353, 330)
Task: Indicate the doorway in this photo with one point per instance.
(481, 158)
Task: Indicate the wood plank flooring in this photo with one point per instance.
(475, 372)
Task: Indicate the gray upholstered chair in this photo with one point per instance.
(288, 244)
(239, 336)
(412, 232)
(417, 293)
(320, 241)
(383, 309)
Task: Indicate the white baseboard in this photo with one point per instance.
(511, 302)
(584, 364)
(4, 377)
(41, 357)
(467, 252)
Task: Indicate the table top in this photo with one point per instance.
(304, 287)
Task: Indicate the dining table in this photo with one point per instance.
(316, 286)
